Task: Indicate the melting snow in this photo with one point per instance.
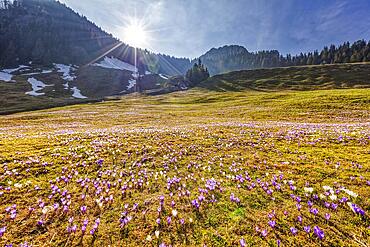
(5, 77)
(6, 74)
(132, 84)
(77, 93)
(36, 86)
(67, 71)
(42, 72)
(114, 63)
(9, 71)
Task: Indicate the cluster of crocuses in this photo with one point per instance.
(312, 200)
(87, 189)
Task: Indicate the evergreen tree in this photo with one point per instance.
(197, 73)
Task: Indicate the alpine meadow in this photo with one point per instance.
(184, 123)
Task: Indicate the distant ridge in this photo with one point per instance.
(234, 57)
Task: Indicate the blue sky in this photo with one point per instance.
(188, 28)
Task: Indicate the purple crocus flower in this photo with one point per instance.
(271, 215)
(318, 232)
(264, 233)
(314, 211)
(83, 228)
(278, 242)
(343, 200)
(358, 210)
(25, 244)
(242, 242)
(161, 199)
(2, 231)
(195, 203)
(327, 216)
(299, 218)
(74, 228)
(293, 230)
(169, 220)
(272, 223)
(307, 229)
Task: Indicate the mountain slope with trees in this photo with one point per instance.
(47, 31)
(232, 58)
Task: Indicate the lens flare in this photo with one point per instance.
(136, 34)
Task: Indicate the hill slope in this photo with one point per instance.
(231, 58)
(308, 78)
(51, 55)
(293, 78)
(46, 31)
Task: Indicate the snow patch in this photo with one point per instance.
(5, 77)
(6, 74)
(36, 87)
(77, 93)
(38, 73)
(9, 71)
(114, 63)
(66, 70)
(132, 83)
(148, 73)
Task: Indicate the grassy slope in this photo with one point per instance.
(220, 135)
(13, 97)
(293, 78)
(93, 81)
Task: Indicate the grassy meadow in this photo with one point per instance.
(193, 168)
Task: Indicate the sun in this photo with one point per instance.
(135, 34)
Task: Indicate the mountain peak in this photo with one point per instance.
(227, 48)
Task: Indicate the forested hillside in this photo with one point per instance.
(231, 58)
(46, 31)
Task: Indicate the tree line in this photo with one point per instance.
(231, 58)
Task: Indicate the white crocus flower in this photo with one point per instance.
(308, 189)
(350, 193)
(350, 206)
(326, 187)
(174, 212)
(333, 197)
